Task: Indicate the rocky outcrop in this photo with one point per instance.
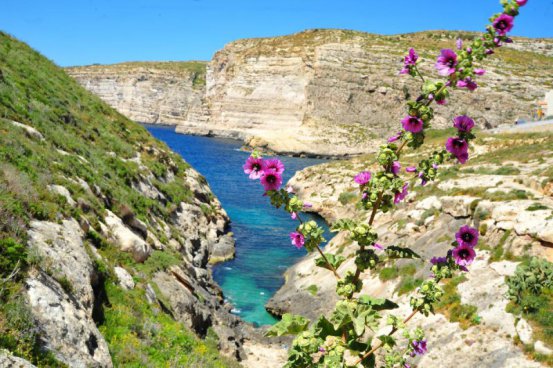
(323, 92)
(67, 327)
(155, 93)
(484, 195)
(7, 360)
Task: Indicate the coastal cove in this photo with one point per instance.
(263, 249)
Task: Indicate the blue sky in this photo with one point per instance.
(78, 32)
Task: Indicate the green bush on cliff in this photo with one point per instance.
(142, 335)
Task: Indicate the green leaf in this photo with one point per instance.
(342, 315)
(377, 303)
(324, 328)
(289, 325)
(395, 252)
(334, 260)
(342, 224)
(388, 341)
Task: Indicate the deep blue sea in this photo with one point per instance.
(263, 248)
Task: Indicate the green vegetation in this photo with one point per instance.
(140, 335)
(80, 139)
(531, 293)
(450, 305)
(348, 197)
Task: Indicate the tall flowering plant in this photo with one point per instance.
(342, 339)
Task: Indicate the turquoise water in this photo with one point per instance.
(263, 249)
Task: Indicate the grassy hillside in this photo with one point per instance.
(79, 138)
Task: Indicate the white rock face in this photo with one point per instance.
(318, 92)
(126, 239)
(7, 360)
(458, 206)
(144, 92)
(125, 279)
(70, 334)
(62, 249)
(524, 331)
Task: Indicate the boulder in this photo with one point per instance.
(524, 331)
(428, 203)
(540, 347)
(126, 239)
(125, 279)
(7, 360)
(30, 131)
(458, 206)
(61, 190)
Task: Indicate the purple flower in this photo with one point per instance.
(467, 83)
(396, 167)
(489, 52)
(521, 2)
(411, 169)
(412, 124)
(446, 62)
(438, 260)
(290, 189)
(362, 178)
(274, 164)
(463, 255)
(479, 71)
(254, 167)
(409, 61)
(394, 137)
(307, 205)
(297, 239)
(458, 147)
(378, 246)
(459, 44)
(503, 24)
(419, 347)
(469, 50)
(463, 123)
(441, 101)
(294, 215)
(400, 196)
(271, 180)
(467, 236)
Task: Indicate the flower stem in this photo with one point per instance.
(330, 266)
(380, 344)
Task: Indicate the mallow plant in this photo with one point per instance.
(347, 336)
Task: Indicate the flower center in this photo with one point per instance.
(467, 237)
(464, 253)
(271, 179)
(502, 24)
(458, 143)
(256, 167)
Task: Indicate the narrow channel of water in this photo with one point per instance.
(263, 249)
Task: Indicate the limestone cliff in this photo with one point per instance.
(332, 92)
(504, 191)
(147, 92)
